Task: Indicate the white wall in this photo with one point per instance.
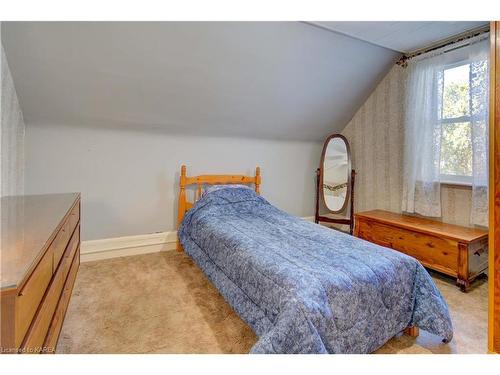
(11, 135)
(128, 179)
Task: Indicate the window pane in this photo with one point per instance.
(456, 149)
(456, 92)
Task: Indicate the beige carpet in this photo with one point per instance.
(162, 303)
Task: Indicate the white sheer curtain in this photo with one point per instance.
(422, 147)
(479, 104)
(423, 128)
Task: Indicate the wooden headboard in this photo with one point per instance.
(208, 179)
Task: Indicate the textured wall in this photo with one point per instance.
(129, 179)
(376, 136)
(11, 136)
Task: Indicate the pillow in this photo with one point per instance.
(220, 187)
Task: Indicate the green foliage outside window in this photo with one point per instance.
(456, 144)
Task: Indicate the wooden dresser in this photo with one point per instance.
(39, 257)
(451, 249)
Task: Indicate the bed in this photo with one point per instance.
(301, 287)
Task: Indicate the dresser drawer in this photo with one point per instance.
(31, 294)
(64, 234)
(60, 242)
(68, 256)
(58, 318)
(36, 335)
(430, 250)
(74, 217)
(38, 331)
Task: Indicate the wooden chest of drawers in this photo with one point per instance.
(40, 257)
(451, 249)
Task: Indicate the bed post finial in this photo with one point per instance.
(182, 202)
(257, 180)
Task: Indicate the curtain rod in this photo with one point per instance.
(403, 61)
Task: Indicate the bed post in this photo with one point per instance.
(257, 180)
(411, 331)
(182, 203)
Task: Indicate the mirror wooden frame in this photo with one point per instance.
(350, 189)
(322, 163)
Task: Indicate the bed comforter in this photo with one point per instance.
(304, 288)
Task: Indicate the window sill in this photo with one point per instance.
(456, 184)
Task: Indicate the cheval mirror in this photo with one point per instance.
(335, 182)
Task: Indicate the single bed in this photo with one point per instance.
(301, 287)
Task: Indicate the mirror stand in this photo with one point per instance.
(346, 221)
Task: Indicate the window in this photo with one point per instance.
(446, 128)
(455, 121)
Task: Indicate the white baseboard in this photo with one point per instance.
(131, 245)
(125, 246)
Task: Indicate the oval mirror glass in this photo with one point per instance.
(335, 173)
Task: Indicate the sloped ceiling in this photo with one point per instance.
(402, 36)
(276, 80)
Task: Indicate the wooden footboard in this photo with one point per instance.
(209, 179)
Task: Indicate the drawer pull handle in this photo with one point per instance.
(477, 253)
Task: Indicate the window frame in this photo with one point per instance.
(455, 179)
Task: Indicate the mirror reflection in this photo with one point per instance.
(336, 166)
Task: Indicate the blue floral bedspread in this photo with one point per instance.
(304, 288)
